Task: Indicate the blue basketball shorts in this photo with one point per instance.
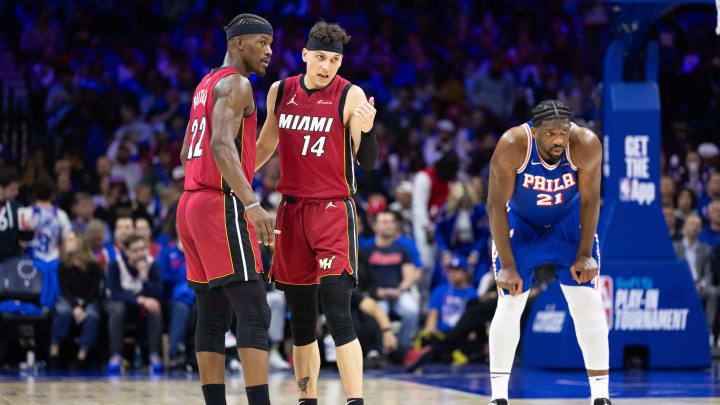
(534, 246)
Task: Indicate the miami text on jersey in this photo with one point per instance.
(305, 123)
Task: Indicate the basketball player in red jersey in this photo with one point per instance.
(322, 123)
(218, 214)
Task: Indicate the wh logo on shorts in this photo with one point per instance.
(326, 262)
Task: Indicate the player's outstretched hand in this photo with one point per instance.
(584, 269)
(366, 111)
(263, 223)
(509, 279)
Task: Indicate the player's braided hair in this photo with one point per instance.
(328, 33)
(550, 110)
(246, 18)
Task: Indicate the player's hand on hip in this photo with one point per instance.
(366, 112)
(584, 269)
(509, 279)
(263, 223)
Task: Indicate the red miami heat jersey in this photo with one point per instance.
(316, 152)
(201, 171)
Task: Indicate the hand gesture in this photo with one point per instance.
(263, 223)
(584, 269)
(509, 279)
(365, 111)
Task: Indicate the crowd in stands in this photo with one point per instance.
(108, 91)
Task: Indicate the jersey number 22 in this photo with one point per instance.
(194, 129)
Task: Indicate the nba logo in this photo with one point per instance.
(625, 189)
(606, 292)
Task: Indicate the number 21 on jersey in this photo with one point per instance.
(546, 200)
(194, 129)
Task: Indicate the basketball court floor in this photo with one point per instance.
(434, 385)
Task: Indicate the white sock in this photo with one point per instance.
(599, 387)
(499, 384)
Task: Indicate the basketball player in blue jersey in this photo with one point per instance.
(544, 203)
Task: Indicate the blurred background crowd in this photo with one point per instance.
(95, 97)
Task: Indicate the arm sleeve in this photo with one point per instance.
(113, 283)
(367, 153)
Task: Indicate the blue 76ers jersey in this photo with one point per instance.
(544, 218)
(544, 194)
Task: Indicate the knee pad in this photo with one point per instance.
(302, 301)
(214, 317)
(335, 298)
(252, 313)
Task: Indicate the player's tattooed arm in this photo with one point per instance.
(233, 101)
(586, 152)
(509, 155)
(268, 140)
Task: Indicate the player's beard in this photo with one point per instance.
(552, 157)
(260, 70)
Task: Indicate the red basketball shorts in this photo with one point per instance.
(220, 244)
(317, 238)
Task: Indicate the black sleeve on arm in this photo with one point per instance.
(367, 153)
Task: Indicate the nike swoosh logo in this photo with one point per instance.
(535, 163)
